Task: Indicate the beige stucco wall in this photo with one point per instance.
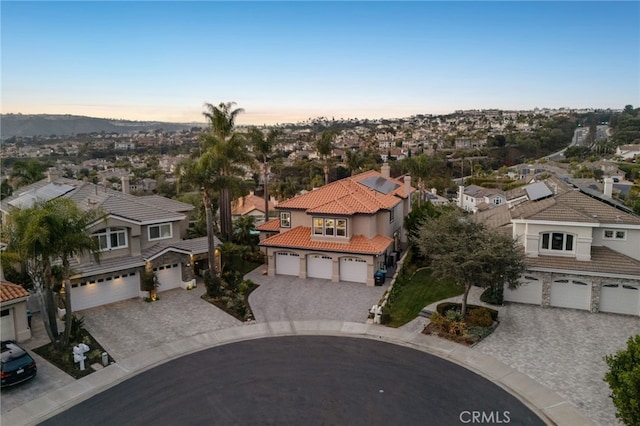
(18, 309)
(629, 247)
(530, 235)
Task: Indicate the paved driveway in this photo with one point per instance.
(284, 298)
(126, 327)
(563, 350)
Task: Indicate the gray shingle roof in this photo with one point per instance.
(604, 261)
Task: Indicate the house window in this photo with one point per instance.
(160, 232)
(557, 241)
(330, 227)
(497, 201)
(614, 234)
(317, 226)
(285, 220)
(111, 238)
(391, 214)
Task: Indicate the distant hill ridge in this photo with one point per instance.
(27, 125)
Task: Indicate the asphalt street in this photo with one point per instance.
(310, 380)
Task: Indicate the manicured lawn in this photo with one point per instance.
(414, 294)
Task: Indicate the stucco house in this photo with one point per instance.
(582, 249)
(14, 324)
(251, 205)
(344, 231)
(475, 198)
(140, 232)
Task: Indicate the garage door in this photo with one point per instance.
(169, 276)
(571, 294)
(353, 269)
(319, 266)
(529, 291)
(287, 263)
(89, 294)
(620, 299)
(6, 325)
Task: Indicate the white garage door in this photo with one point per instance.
(105, 290)
(620, 299)
(6, 325)
(169, 276)
(571, 294)
(529, 291)
(353, 269)
(287, 263)
(319, 266)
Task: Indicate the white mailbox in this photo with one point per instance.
(78, 354)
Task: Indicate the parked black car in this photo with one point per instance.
(17, 365)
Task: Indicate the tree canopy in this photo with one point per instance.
(468, 253)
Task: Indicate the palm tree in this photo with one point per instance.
(50, 231)
(355, 161)
(324, 146)
(263, 146)
(27, 172)
(420, 167)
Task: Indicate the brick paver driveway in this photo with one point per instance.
(124, 328)
(285, 298)
(563, 350)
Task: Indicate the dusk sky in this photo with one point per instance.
(289, 61)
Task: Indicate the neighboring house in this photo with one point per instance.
(344, 231)
(475, 198)
(13, 312)
(628, 152)
(434, 198)
(582, 250)
(139, 233)
(251, 205)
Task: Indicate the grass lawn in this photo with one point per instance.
(416, 293)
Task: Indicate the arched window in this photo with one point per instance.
(557, 242)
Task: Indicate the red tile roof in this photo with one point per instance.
(347, 197)
(249, 203)
(271, 226)
(300, 238)
(9, 291)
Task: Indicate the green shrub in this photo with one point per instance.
(479, 333)
(453, 314)
(440, 321)
(493, 295)
(212, 284)
(443, 307)
(623, 378)
(480, 317)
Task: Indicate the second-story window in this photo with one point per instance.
(285, 220)
(341, 227)
(557, 241)
(160, 232)
(329, 226)
(614, 234)
(111, 238)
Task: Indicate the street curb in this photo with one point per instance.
(548, 405)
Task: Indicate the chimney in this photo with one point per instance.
(608, 187)
(434, 191)
(407, 188)
(460, 195)
(385, 170)
(126, 187)
(273, 200)
(52, 174)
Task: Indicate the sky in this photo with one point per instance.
(290, 61)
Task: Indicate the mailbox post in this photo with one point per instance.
(78, 354)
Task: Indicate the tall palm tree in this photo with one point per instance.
(324, 146)
(420, 168)
(355, 161)
(42, 234)
(263, 147)
(27, 172)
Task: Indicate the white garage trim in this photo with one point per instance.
(89, 294)
(566, 293)
(169, 276)
(529, 291)
(353, 269)
(620, 298)
(7, 326)
(319, 266)
(287, 263)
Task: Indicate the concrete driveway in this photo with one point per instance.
(284, 298)
(563, 349)
(124, 328)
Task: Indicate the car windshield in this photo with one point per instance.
(17, 362)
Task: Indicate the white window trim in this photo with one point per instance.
(335, 227)
(564, 243)
(107, 232)
(288, 216)
(614, 238)
(159, 225)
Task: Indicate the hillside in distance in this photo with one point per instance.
(27, 125)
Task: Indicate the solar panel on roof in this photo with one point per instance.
(379, 184)
(48, 192)
(538, 191)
